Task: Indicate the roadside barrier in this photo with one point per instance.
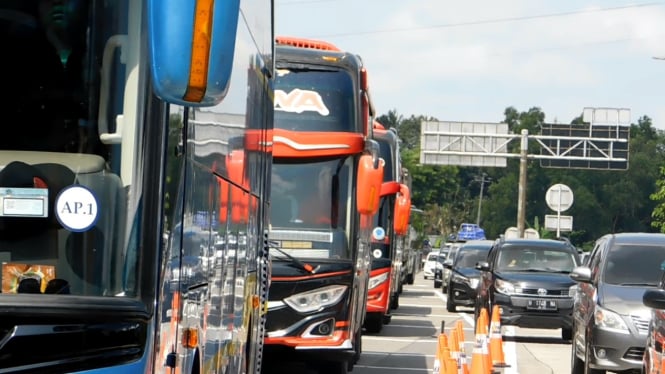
(487, 354)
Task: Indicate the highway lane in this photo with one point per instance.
(408, 344)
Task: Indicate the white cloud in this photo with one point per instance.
(466, 59)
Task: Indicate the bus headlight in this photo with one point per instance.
(377, 280)
(314, 300)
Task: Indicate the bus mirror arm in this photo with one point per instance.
(372, 147)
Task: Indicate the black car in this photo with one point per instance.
(464, 278)
(529, 280)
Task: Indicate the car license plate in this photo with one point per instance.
(541, 304)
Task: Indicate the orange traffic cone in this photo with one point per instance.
(481, 338)
(478, 361)
(450, 366)
(439, 359)
(496, 340)
(459, 326)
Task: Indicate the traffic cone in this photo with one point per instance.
(496, 340)
(450, 365)
(459, 326)
(478, 361)
(453, 344)
(481, 339)
(439, 359)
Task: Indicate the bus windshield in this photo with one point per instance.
(65, 215)
(314, 100)
(312, 197)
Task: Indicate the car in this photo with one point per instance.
(610, 319)
(444, 254)
(462, 284)
(528, 279)
(441, 274)
(431, 262)
(654, 358)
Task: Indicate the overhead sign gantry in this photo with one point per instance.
(601, 142)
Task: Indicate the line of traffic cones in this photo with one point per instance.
(487, 356)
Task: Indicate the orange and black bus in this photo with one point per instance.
(390, 223)
(326, 179)
(134, 185)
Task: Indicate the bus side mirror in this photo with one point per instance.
(402, 210)
(192, 44)
(369, 183)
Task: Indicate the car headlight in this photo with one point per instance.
(320, 298)
(607, 319)
(377, 280)
(504, 287)
(471, 282)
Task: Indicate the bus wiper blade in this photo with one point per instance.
(303, 265)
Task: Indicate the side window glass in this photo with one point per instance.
(594, 261)
(490, 256)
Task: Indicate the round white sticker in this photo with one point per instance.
(377, 253)
(76, 208)
(379, 233)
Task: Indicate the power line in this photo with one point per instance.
(494, 21)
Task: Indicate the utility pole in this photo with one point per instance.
(482, 179)
(521, 190)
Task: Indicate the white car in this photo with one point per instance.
(430, 264)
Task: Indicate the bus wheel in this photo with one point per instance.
(334, 367)
(358, 349)
(374, 323)
(394, 302)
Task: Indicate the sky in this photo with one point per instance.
(470, 60)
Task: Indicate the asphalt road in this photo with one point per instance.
(408, 344)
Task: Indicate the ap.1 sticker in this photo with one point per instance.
(76, 208)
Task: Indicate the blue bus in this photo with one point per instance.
(135, 167)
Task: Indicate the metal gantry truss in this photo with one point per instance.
(588, 146)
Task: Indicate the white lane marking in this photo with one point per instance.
(510, 351)
(394, 339)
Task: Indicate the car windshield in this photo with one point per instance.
(468, 257)
(634, 265)
(535, 259)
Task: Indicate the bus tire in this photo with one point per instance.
(334, 367)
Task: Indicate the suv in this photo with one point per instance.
(611, 321)
(463, 282)
(529, 280)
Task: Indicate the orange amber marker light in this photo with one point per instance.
(190, 338)
(256, 301)
(201, 39)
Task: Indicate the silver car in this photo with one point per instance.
(610, 320)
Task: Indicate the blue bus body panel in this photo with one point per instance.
(171, 25)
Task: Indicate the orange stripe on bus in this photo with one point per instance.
(312, 276)
(336, 339)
